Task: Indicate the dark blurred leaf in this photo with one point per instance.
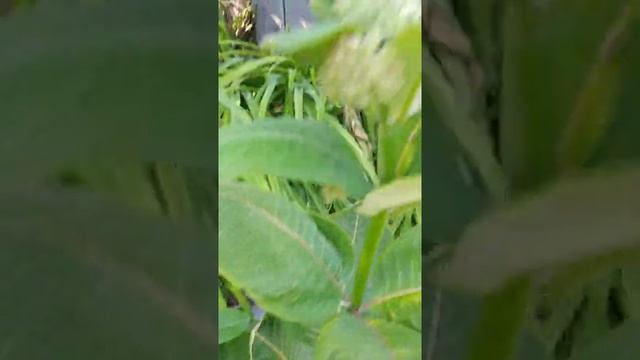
(84, 278)
(573, 220)
(452, 197)
(550, 48)
(81, 78)
(449, 319)
(621, 344)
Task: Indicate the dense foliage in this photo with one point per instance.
(108, 180)
(320, 226)
(533, 156)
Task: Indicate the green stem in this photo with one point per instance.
(371, 242)
(498, 329)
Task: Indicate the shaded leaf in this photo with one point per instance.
(539, 39)
(231, 323)
(621, 344)
(80, 272)
(142, 90)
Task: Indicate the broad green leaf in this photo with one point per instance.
(400, 192)
(621, 344)
(80, 272)
(236, 349)
(338, 237)
(301, 150)
(396, 280)
(231, 323)
(575, 219)
(71, 90)
(277, 339)
(275, 252)
(308, 46)
(539, 50)
(351, 338)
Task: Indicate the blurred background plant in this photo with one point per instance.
(533, 235)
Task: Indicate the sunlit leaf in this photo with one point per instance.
(401, 192)
(302, 150)
(351, 338)
(275, 252)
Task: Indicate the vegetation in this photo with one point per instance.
(319, 200)
(106, 203)
(532, 242)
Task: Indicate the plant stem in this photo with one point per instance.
(369, 249)
(498, 329)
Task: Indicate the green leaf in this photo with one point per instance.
(275, 252)
(401, 192)
(396, 280)
(351, 338)
(454, 196)
(408, 47)
(473, 139)
(68, 94)
(79, 272)
(573, 220)
(231, 324)
(302, 150)
(399, 145)
(277, 339)
(450, 317)
(308, 46)
(236, 349)
(538, 51)
(356, 226)
(339, 238)
(621, 344)
(498, 329)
